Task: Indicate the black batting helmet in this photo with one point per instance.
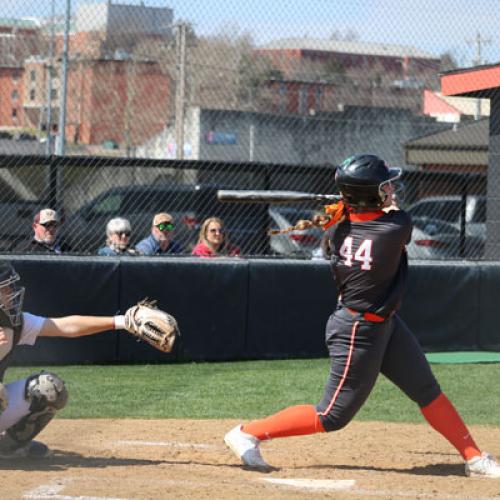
(360, 179)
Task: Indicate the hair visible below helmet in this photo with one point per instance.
(360, 180)
(11, 294)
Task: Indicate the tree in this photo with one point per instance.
(448, 62)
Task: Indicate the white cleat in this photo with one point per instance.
(246, 448)
(483, 466)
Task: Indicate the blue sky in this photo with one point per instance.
(433, 26)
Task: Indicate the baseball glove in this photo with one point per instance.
(152, 325)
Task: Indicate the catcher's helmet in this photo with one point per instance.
(11, 294)
(360, 179)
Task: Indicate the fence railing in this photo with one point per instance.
(449, 210)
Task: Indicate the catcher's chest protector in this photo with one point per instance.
(13, 336)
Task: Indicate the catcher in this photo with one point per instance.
(28, 405)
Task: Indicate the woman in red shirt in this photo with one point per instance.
(212, 241)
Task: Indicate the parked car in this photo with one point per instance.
(84, 230)
(297, 243)
(436, 239)
(17, 217)
(247, 224)
(449, 209)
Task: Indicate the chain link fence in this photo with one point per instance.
(132, 108)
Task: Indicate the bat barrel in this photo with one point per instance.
(263, 196)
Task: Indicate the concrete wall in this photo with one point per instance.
(221, 135)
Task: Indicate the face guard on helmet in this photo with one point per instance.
(11, 294)
(365, 181)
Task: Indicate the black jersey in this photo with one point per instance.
(369, 260)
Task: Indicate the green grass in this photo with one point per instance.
(252, 389)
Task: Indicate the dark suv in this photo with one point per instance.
(189, 204)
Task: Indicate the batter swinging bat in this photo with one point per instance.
(256, 196)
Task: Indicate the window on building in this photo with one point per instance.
(14, 95)
(32, 75)
(14, 113)
(317, 104)
(32, 94)
(282, 98)
(302, 100)
(53, 94)
(15, 76)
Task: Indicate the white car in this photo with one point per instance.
(436, 239)
(296, 243)
(449, 209)
(433, 239)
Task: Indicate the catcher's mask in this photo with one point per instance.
(11, 294)
(363, 181)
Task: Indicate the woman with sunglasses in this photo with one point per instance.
(212, 241)
(117, 238)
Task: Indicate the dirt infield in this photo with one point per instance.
(156, 459)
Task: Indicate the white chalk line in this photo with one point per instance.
(51, 492)
(172, 444)
(313, 484)
(416, 494)
(347, 486)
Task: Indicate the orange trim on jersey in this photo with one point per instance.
(374, 318)
(346, 370)
(365, 216)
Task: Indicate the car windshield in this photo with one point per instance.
(434, 226)
(446, 210)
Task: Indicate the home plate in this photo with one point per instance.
(313, 484)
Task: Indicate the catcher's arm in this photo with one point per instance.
(152, 325)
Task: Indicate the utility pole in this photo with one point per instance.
(60, 143)
(479, 41)
(180, 90)
(50, 75)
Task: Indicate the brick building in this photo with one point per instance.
(400, 62)
(124, 101)
(11, 96)
(112, 94)
(326, 75)
(19, 38)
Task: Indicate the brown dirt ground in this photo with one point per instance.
(157, 459)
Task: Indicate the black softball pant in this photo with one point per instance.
(359, 350)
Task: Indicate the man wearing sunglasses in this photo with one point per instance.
(45, 226)
(160, 241)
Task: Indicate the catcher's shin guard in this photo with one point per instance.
(46, 394)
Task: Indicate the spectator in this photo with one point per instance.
(117, 238)
(45, 226)
(212, 241)
(160, 241)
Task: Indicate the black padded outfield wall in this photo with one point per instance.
(71, 286)
(233, 309)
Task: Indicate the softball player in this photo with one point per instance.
(28, 405)
(364, 335)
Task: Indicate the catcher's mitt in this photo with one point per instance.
(152, 325)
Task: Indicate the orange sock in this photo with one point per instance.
(443, 417)
(293, 421)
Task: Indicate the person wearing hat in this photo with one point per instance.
(45, 225)
(160, 241)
